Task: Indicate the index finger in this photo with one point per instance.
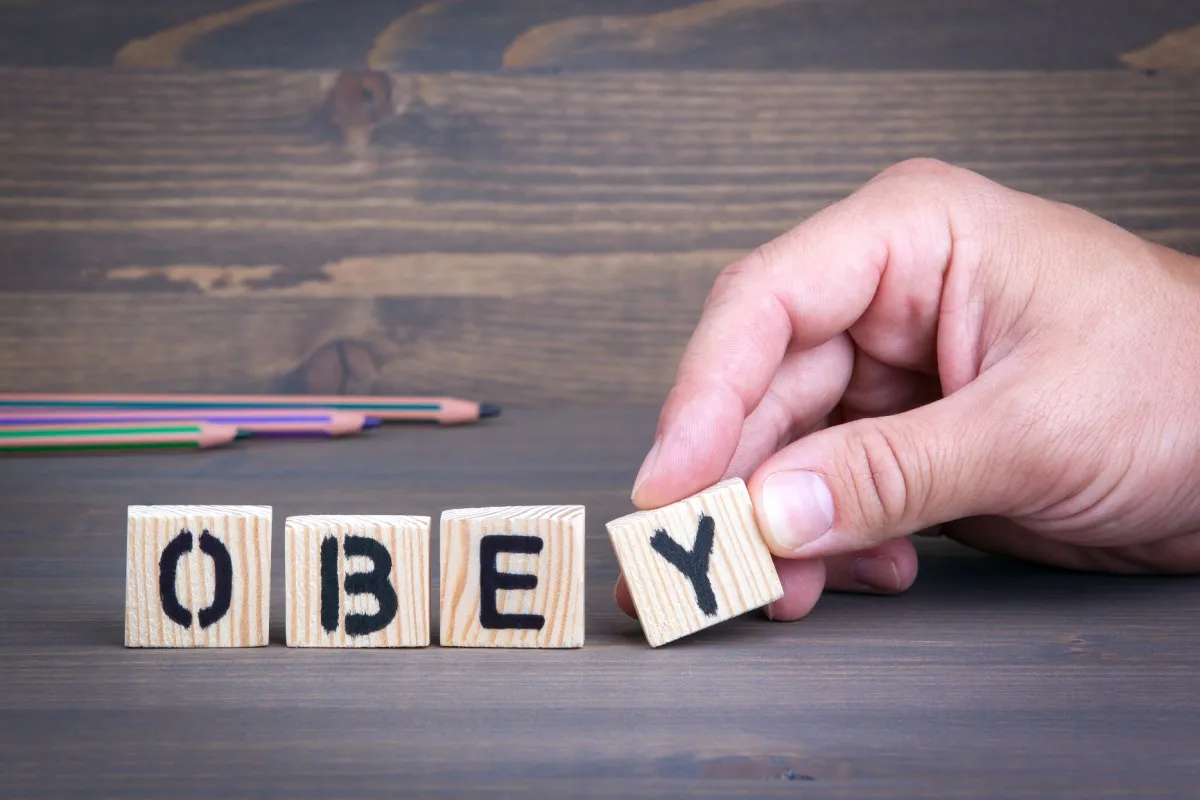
(804, 288)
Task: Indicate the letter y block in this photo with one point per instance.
(695, 563)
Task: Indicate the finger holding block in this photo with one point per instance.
(357, 581)
(695, 563)
(198, 576)
(512, 577)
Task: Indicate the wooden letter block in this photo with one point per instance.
(198, 576)
(512, 577)
(695, 563)
(357, 581)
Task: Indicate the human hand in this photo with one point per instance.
(939, 350)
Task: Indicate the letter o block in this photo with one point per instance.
(695, 563)
(512, 577)
(198, 576)
(357, 581)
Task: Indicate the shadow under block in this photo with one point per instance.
(357, 581)
(512, 577)
(695, 563)
(198, 576)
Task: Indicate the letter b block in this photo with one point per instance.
(357, 581)
(198, 576)
(695, 563)
(512, 577)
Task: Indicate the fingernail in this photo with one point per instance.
(647, 467)
(770, 611)
(876, 572)
(798, 506)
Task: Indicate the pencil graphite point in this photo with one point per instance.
(488, 410)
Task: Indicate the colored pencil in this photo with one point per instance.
(122, 436)
(265, 422)
(444, 410)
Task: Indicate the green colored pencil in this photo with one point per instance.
(18, 439)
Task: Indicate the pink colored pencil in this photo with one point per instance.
(114, 436)
(445, 410)
(267, 422)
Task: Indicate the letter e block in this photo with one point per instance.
(198, 576)
(695, 563)
(357, 581)
(512, 577)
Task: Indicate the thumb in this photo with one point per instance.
(858, 484)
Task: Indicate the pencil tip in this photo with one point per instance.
(488, 410)
(371, 422)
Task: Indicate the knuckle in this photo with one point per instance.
(777, 418)
(748, 277)
(977, 212)
(723, 286)
(889, 474)
(925, 170)
(741, 272)
(933, 179)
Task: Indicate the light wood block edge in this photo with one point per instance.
(741, 572)
(558, 597)
(245, 533)
(407, 541)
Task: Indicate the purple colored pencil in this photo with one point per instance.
(264, 422)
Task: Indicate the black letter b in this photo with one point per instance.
(376, 582)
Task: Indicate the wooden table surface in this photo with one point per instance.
(990, 678)
(526, 203)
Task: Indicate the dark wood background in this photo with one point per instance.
(526, 203)
(517, 201)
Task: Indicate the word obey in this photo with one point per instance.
(199, 576)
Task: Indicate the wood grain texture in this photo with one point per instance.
(622, 37)
(245, 532)
(406, 539)
(989, 678)
(521, 239)
(165, 48)
(407, 32)
(737, 571)
(458, 35)
(557, 598)
(1175, 50)
(183, 206)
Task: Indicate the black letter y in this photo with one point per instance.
(692, 563)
